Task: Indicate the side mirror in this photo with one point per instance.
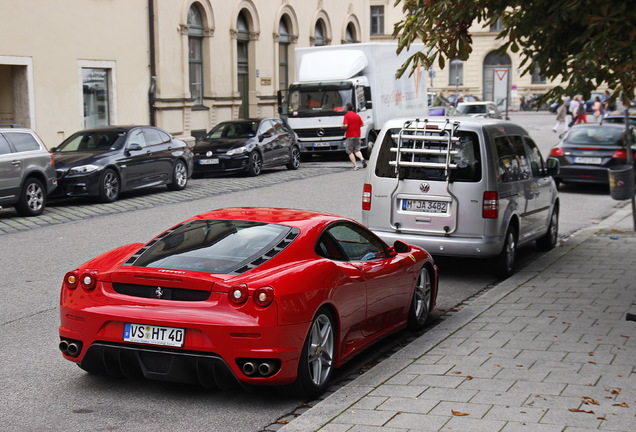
(553, 166)
(134, 147)
(401, 247)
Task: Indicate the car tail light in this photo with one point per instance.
(557, 152)
(71, 280)
(620, 154)
(264, 296)
(490, 209)
(88, 280)
(238, 294)
(366, 197)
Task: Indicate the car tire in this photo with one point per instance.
(254, 164)
(551, 237)
(420, 309)
(109, 186)
(32, 198)
(315, 366)
(179, 176)
(504, 263)
(294, 158)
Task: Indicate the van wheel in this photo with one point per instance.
(504, 263)
(421, 303)
(549, 240)
(32, 198)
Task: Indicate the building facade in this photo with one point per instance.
(183, 65)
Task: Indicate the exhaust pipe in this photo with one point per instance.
(265, 369)
(63, 345)
(72, 349)
(249, 368)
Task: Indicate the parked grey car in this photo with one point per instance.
(27, 172)
(465, 188)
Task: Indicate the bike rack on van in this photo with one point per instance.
(417, 130)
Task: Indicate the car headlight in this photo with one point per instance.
(84, 169)
(236, 151)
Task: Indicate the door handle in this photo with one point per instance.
(15, 162)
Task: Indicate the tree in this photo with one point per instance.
(582, 43)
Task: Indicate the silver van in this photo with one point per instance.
(461, 187)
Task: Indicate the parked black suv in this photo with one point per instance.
(27, 171)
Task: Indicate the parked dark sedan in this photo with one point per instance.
(246, 146)
(587, 151)
(106, 161)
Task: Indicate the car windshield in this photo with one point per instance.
(243, 129)
(472, 109)
(215, 246)
(93, 141)
(595, 135)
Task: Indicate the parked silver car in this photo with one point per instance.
(465, 188)
(27, 173)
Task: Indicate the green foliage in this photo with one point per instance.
(584, 43)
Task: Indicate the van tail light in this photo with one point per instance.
(490, 209)
(557, 152)
(366, 197)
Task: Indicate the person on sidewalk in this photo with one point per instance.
(352, 123)
(560, 118)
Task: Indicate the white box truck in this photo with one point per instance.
(363, 74)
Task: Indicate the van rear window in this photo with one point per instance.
(465, 158)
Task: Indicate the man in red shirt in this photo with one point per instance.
(352, 123)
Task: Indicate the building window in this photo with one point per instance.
(242, 63)
(283, 54)
(377, 20)
(350, 34)
(456, 72)
(319, 33)
(537, 77)
(96, 97)
(195, 53)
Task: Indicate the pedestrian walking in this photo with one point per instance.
(560, 117)
(577, 110)
(352, 123)
(597, 109)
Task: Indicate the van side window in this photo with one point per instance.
(521, 156)
(536, 160)
(468, 158)
(507, 166)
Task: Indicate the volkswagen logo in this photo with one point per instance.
(159, 292)
(320, 132)
(425, 187)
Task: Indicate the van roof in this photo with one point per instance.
(465, 122)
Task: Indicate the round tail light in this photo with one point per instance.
(88, 280)
(264, 296)
(71, 280)
(238, 294)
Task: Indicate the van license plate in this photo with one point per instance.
(425, 206)
(154, 335)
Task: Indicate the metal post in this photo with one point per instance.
(628, 145)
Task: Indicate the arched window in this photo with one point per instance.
(350, 34)
(319, 33)
(284, 40)
(456, 72)
(195, 53)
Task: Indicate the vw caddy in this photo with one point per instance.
(461, 187)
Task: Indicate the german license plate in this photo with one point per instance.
(154, 335)
(425, 206)
(321, 144)
(588, 160)
(208, 161)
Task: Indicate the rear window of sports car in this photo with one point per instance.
(215, 246)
